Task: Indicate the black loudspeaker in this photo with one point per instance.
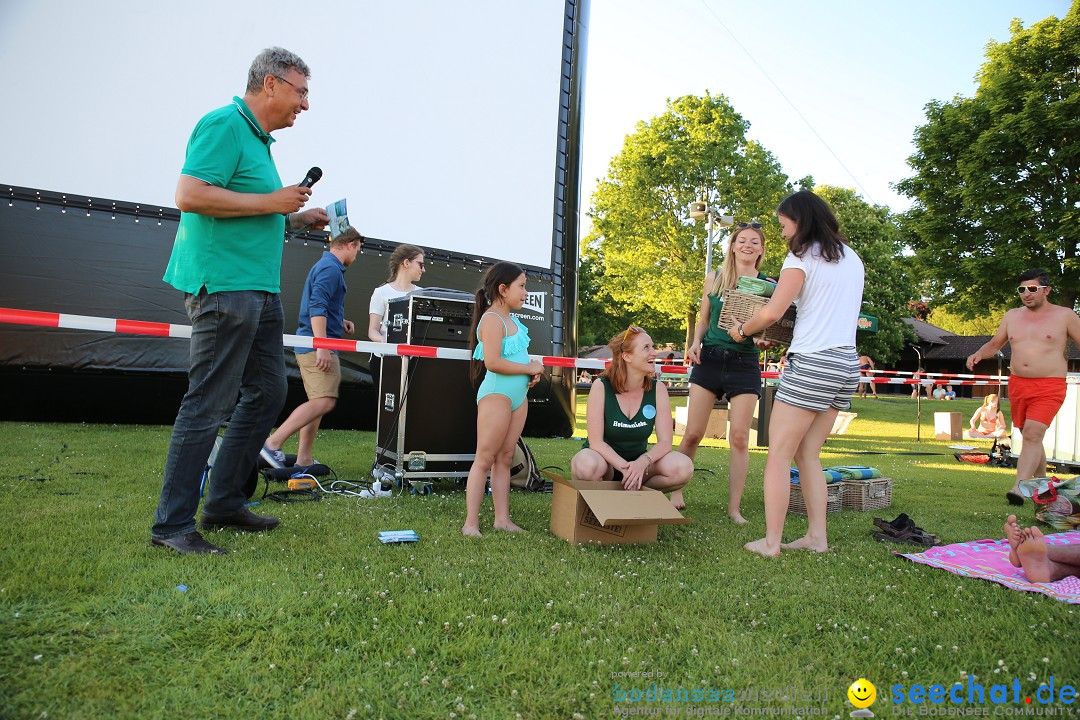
(427, 406)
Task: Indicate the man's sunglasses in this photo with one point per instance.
(1030, 288)
(754, 225)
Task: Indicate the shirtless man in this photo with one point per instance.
(865, 366)
(1037, 334)
(1041, 562)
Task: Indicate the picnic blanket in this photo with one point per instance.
(857, 472)
(831, 476)
(842, 472)
(755, 286)
(989, 560)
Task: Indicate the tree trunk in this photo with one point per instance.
(691, 321)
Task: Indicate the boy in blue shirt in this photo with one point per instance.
(322, 315)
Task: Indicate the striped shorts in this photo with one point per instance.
(821, 380)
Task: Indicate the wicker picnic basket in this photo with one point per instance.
(740, 307)
(872, 494)
(834, 493)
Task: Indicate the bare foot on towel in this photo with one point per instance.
(1038, 567)
(1012, 532)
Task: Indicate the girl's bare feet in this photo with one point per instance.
(737, 518)
(761, 547)
(471, 531)
(677, 500)
(807, 543)
(509, 527)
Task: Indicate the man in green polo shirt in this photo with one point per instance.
(226, 260)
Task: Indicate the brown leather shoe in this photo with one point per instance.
(242, 519)
(191, 544)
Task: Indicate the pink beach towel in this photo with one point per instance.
(989, 560)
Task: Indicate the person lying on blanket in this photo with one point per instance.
(1041, 562)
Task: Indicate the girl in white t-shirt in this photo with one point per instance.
(823, 275)
(406, 269)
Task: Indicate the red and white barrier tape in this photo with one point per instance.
(963, 376)
(86, 322)
(907, 381)
(156, 329)
(138, 327)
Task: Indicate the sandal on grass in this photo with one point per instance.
(901, 523)
(903, 529)
(914, 536)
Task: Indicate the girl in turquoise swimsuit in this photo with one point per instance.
(502, 344)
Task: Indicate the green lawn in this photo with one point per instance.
(319, 620)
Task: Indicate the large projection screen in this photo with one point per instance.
(436, 120)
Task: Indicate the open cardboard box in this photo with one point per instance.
(604, 513)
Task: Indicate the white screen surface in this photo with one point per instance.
(436, 120)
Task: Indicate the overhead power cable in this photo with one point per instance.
(772, 82)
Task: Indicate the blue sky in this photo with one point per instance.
(860, 72)
(105, 94)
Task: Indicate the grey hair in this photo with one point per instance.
(274, 61)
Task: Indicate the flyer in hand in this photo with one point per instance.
(339, 218)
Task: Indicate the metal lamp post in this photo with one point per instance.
(701, 209)
(918, 398)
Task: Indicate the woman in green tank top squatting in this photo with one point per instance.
(723, 367)
(627, 404)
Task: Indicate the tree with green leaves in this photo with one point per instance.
(873, 232)
(651, 251)
(600, 318)
(997, 176)
(986, 324)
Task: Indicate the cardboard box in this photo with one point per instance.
(604, 513)
(948, 426)
(715, 429)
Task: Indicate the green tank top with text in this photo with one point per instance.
(628, 436)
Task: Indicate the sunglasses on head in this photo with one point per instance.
(1030, 288)
(632, 329)
(754, 225)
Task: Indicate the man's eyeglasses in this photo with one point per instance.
(754, 225)
(302, 93)
(632, 329)
(1030, 288)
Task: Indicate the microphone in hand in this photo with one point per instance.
(313, 176)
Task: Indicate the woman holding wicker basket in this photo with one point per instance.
(724, 367)
(825, 276)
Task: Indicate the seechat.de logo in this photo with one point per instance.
(974, 693)
(862, 694)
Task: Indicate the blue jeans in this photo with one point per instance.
(236, 349)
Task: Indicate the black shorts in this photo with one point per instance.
(727, 373)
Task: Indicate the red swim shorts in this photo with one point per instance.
(1035, 398)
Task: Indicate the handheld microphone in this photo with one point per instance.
(313, 176)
